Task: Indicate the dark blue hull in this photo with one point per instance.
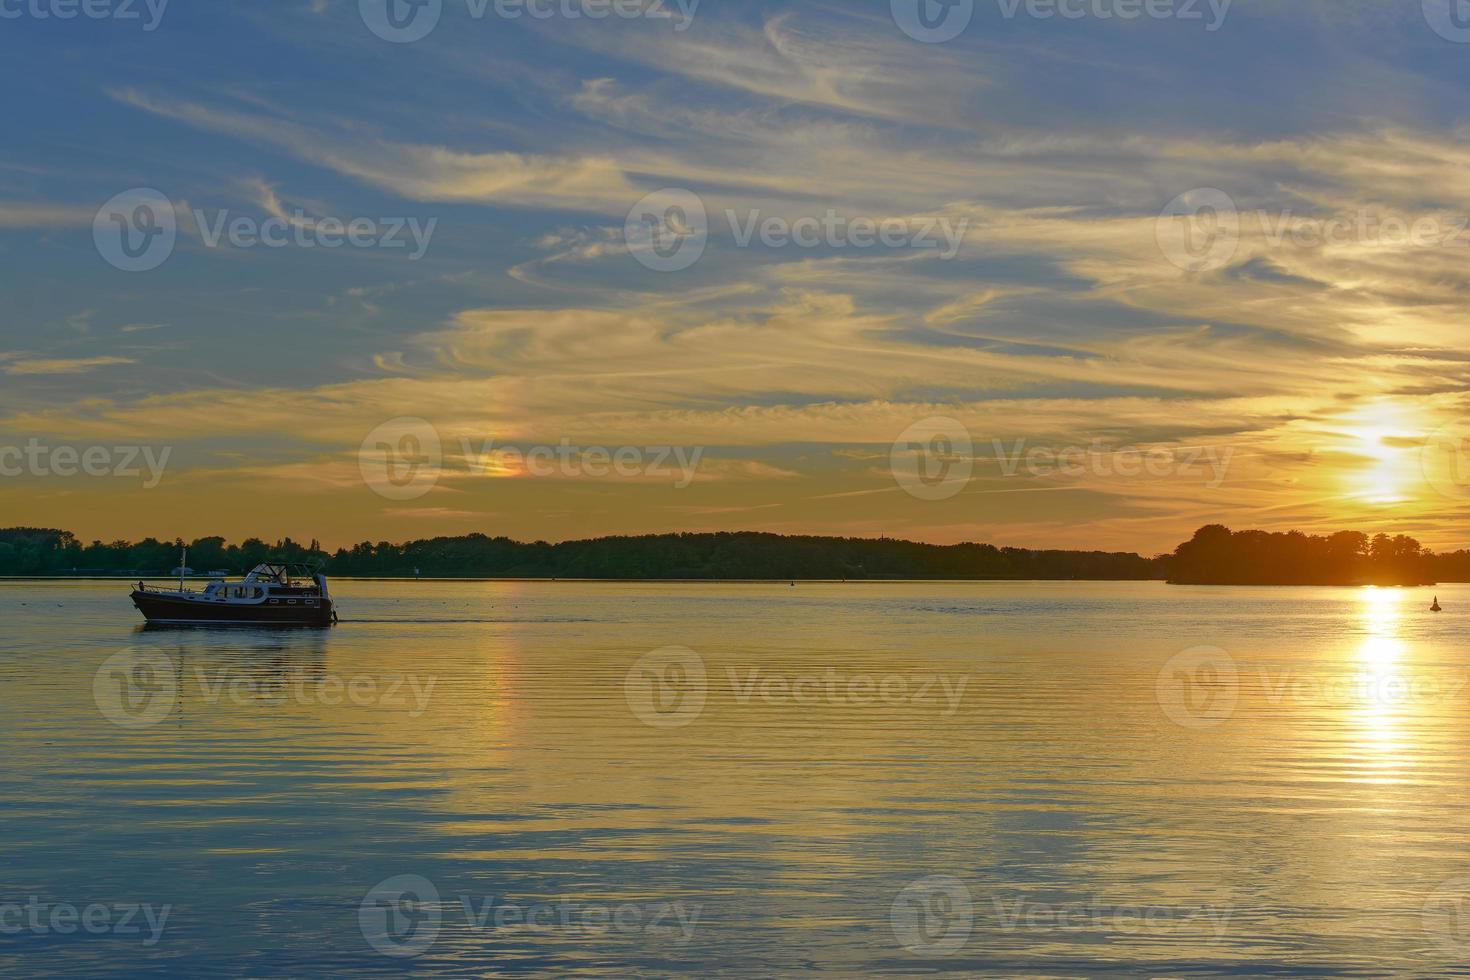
(163, 608)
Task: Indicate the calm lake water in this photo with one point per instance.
(493, 779)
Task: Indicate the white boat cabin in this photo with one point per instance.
(272, 583)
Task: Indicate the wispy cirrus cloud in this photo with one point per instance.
(15, 214)
(61, 365)
(416, 171)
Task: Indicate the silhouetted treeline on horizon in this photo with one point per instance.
(671, 556)
(1215, 556)
(1218, 556)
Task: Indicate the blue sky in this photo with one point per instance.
(1055, 143)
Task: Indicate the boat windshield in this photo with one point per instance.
(281, 573)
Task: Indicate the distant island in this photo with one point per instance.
(1214, 556)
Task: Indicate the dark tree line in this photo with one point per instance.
(29, 551)
(1216, 555)
(731, 556)
(43, 551)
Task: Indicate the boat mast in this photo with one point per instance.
(183, 560)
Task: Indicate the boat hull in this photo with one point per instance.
(177, 611)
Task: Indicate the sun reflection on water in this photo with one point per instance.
(1379, 694)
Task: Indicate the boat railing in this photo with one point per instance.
(145, 587)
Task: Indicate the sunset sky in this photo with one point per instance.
(1235, 237)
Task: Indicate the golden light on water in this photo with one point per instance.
(1377, 695)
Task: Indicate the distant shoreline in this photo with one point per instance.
(1216, 555)
(22, 579)
(589, 581)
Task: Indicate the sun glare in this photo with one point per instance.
(1383, 440)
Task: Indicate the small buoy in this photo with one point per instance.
(1436, 607)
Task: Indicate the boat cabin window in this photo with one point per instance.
(221, 590)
